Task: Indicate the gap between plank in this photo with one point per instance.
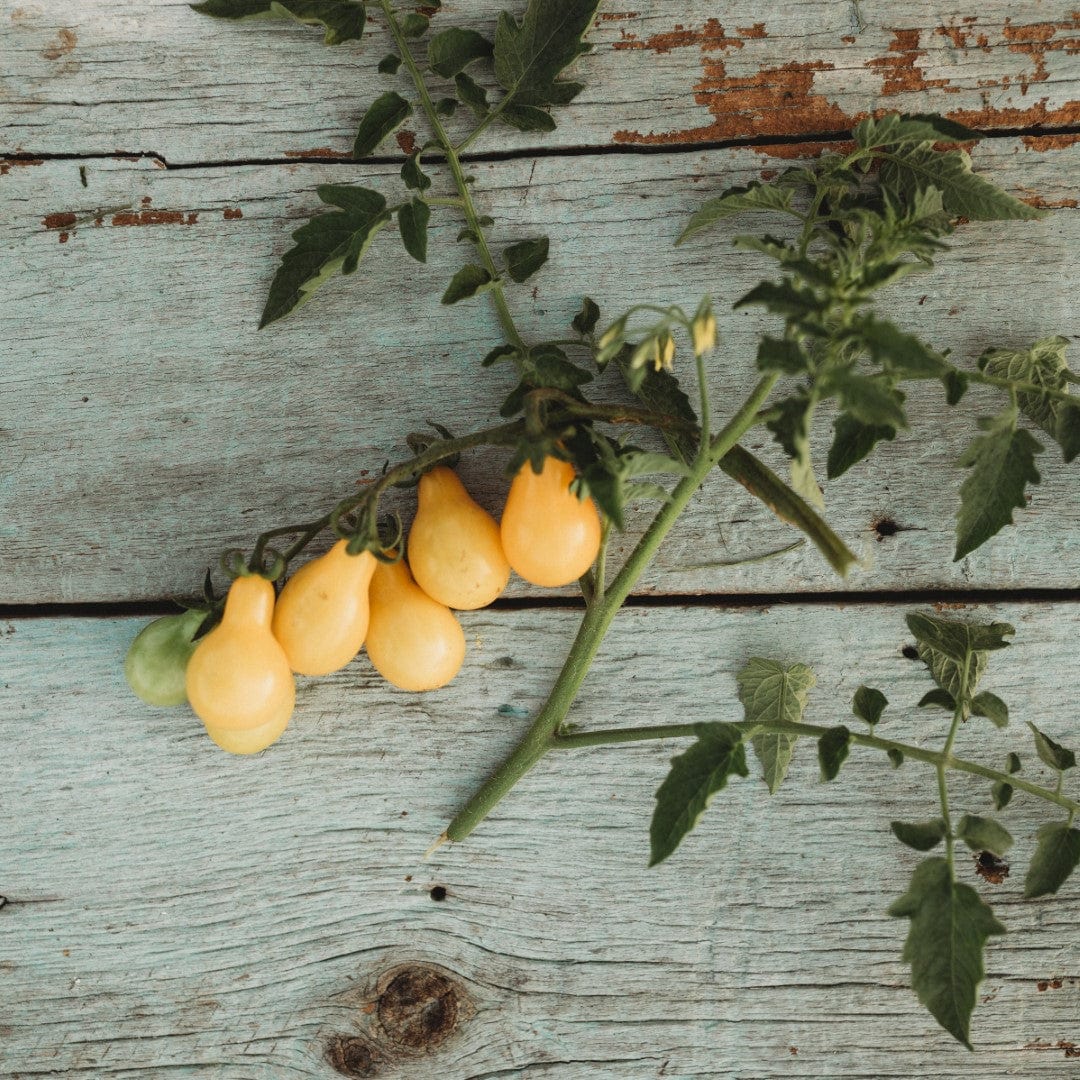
(613, 149)
(111, 609)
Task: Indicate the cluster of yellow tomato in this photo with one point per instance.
(240, 676)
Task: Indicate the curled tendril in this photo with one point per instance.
(273, 565)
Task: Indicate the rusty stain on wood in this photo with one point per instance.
(777, 100)
(232, 213)
(317, 152)
(64, 43)
(406, 139)
(1043, 143)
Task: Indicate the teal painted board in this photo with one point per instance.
(175, 911)
(103, 76)
(147, 425)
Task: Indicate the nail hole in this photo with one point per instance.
(910, 652)
(438, 893)
(885, 527)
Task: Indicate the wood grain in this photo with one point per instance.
(146, 426)
(174, 910)
(105, 76)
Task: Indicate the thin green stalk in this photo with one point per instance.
(506, 320)
(960, 714)
(575, 740)
(703, 395)
(598, 617)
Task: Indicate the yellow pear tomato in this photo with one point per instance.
(550, 536)
(321, 616)
(238, 678)
(413, 641)
(455, 552)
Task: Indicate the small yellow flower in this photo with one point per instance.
(703, 332)
(664, 352)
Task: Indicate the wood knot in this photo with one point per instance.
(419, 1007)
(352, 1056)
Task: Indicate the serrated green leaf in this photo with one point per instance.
(948, 647)
(963, 193)
(852, 442)
(868, 704)
(1051, 753)
(895, 128)
(446, 106)
(386, 113)
(833, 749)
(782, 298)
(1042, 365)
(899, 353)
(950, 925)
(415, 178)
(957, 639)
(1012, 763)
(941, 698)
(956, 384)
(696, 776)
(1002, 464)
(531, 53)
(527, 118)
(389, 64)
(468, 281)
(984, 834)
(471, 93)
(992, 707)
(1057, 855)
(896, 757)
(525, 258)
(413, 24)
(413, 220)
(342, 19)
(780, 354)
(788, 505)
(920, 835)
(584, 322)
(771, 692)
(869, 400)
(327, 243)
(738, 200)
(452, 50)
(659, 391)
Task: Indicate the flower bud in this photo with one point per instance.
(703, 331)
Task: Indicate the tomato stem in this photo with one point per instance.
(941, 759)
(498, 298)
(538, 740)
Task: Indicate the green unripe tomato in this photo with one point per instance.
(156, 663)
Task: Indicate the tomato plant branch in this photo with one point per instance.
(575, 740)
(960, 714)
(598, 617)
(498, 298)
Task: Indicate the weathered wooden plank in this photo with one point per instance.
(104, 75)
(146, 426)
(171, 909)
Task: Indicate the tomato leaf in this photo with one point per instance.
(531, 53)
(992, 707)
(327, 243)
(452, 50)
(833, 749)
(984, 834)
(868, 704)
(386, 112)
(525, 258)
(468, 281)
(1057, 855)
(696, 776)
(950, 925)
(342, 19)
(737, 200)
(413, 220)
(894, 129)
(1051, 753)
(920, 835)
(771, 692)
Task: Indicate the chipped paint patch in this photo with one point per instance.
(58, 221)
(1046, 204)
(1042, 143)
(7, 166)
(232, 213)
(155, 217)
(317, 152)
(787, 100)
(406, 140)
